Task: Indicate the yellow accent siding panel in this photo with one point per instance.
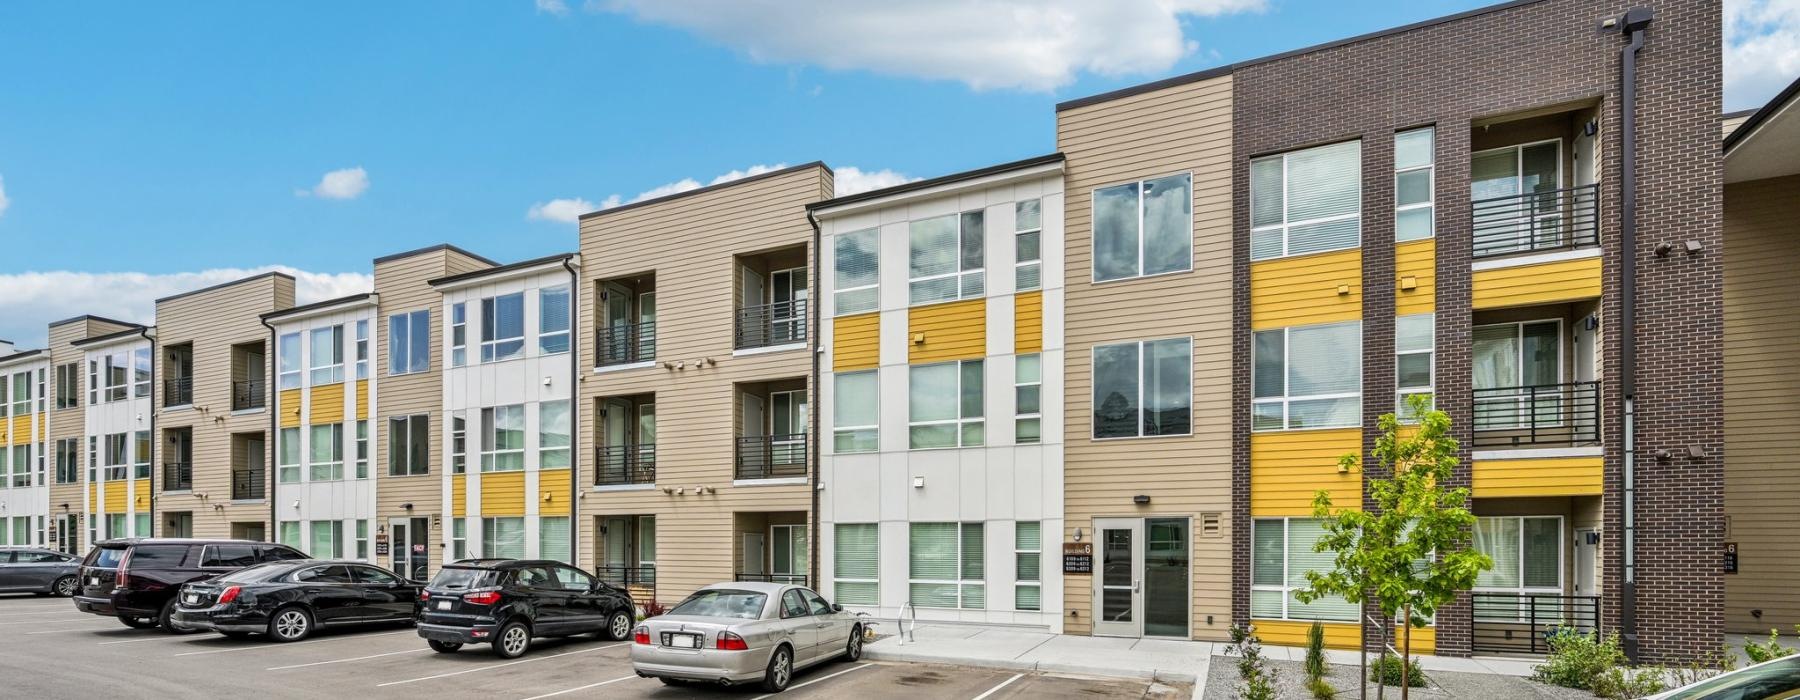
(1415, 262)
(952, 331)
(362, 400)
(1028, 322)
(93, 495)
(142, 487)
(856, 342)
(1529, 285)
(289, 405)
(555, 484)
(1303, 290)
(459, 495)
(503, 493)
(1288, 468)
(115, 493)
(1338, 635)
(327, 405)
(21, 429)
(1556, 476)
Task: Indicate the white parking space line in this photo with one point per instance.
(59, 619)
(94, 626)
(278, 645)
(997, 688)
(504, 665)
(820, 679)
(585, 687)
(345, 661)
(10, 615)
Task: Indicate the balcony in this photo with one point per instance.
(1547, 415)
(247, 484)
(1536, 221)
(771, 456)
(1521, 623)
(178, 391)
(249, 395)
(768, 325)
(624, 465)
(178, 476)
(626, 343)
(638, 581)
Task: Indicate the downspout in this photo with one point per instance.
(813, 396)
(1632, 24)
(154, 441)
(269, 445)
(574, 414)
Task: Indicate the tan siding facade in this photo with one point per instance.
(71, 423)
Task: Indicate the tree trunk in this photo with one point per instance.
(1406, 653)
(1381, 658)
(1362, 649)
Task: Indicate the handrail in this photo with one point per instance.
(1534, 221)
(766, 325)
(178, 391)
(771, 456)
(249, 394)
(625, 344)
(1542, 414)
(621, 465)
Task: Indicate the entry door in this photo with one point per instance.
(788, 552)
(410, 555)
(787, 287)
(1587, 545)
(1118, 577)
(751, 558)
(755, 423)
(787, 425)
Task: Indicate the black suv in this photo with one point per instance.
(506, 602)
(136, 579)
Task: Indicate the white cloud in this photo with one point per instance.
(688, 183)
(851, 180)
(1762, 50)
(1027, 44)
(29, 301)
(4, 202)
(567, 210)
(348, 183)
(555, 7)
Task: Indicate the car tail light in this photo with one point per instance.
(424, 594)
(230, 594)
(641, 635)
(120, 579)
(731, 642)
(483, 597)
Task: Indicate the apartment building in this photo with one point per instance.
(24, 443)
(69, 491)
(211, 396)
(117, 425)
(695, 360)
(940, 382)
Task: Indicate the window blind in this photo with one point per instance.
(553, 538)
(855, 553)
(858, 266)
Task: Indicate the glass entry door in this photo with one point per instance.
(1118, 577)
(410, 553)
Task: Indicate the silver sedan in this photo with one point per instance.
(730, 633)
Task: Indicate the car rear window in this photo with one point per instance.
(742, 605)
(453, 578)
(146, 556)
(106, 557)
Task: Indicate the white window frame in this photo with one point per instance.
(1018, 554)
(362, 349)
(141, 372)
(489, 526)
(21, 383)
(960, 274)
(362, 449)
(1019, 263)
(282, 469)
(459, 539)
(490, 427)
(960, 421)
(1287, 226)
(838, 292)
(459, 444)
(838, 430)
(400, 345)
(1018, 387)
(1093, 265)
(1429, 389)
(333, 372)
(362, 541)
(1143, 368)
(1286, 399)
(1430, 168)
(68, 383)
(1562, 547)
(1286, 590)
(568, 321)
(567, 449)
(410, 469)
(329, 469)
(290, 378)
(459, 334)
(1526, 409)
(962, 579)
(490, 347)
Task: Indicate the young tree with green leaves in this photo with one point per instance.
(1410, 552)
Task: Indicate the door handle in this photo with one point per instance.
(1137, 585)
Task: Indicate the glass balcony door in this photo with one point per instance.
(1510, 360)
(1502, 178)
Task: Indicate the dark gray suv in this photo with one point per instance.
(38, 570)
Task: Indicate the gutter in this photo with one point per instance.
(145, 332)
(574, 416)
(1632, 25)
(813, 396)
(270, 446)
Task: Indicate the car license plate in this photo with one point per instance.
(684, 641)
(443, 605)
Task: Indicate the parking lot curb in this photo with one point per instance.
(909, 655)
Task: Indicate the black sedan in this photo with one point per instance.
(288, 600)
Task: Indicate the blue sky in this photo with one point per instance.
(147, 148)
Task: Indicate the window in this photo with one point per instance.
(287, 458)
(855, 425)
(1144, 228)
(326, 534)
(1527, 554)
(946, 261)
(117, 460)
(553, 539)
(503, 538)
(1281, 554)
(1143, 388)
(553, 320)
(325, 453)
(68, 385)
(459, 446)
(362, 449)
(503, 439)
(68, 460)
(409, 445)
(1413, 364)
(646, 541)
(1027, 233)
(1515, 368)
(327, 355)
(290, 534)
(856, 554)
(857, 272)
(1307, 201)
(946, 565)
(788, 551)
(140, 454)
(945, 401)
(362, 542)
(140, 372)
(362, 349)
(21, 393)
(21, 466)
(1414, 185)
(1028, 549)
(41, 396)
(288, 348)
(459, 539)
(109, 377)
(553, 434)
(459, 334)
(1307, 377)
(1027, 387)
(409, 342)
(502, 327)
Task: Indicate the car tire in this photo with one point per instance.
(853, 648)
(444, 647)
(64, 587)
(138, 623)
(166, 619)
(618, 626)
(780, 671)
(512, 640)
(290, 624)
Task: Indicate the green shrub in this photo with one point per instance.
(1257, 683)
(1620, 683)
(1320, 689)
(1759, 653)
(1578, 659)
(1315, 652)
(1386, 671)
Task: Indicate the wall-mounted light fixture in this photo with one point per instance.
(1078, 534)
(403, 506)
(918, 482)
(1663, 248)
(1692, 247)
(1141, 499)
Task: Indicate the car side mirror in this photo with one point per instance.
(837, 608)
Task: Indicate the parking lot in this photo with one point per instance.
(52, 651)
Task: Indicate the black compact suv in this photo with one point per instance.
(136, 579)
(507, 602)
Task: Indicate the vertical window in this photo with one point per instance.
(459, 539)
(1307, 377)
(646, 541)
(409, 342)
(42, 397)
(21, 393)
(1515, 370)
(326, 534)
(946, 565)
(118, 458)
(140, 454)
(459, 334)
(459, 445)
(1027, 234)
(1527, 554)
(327, 355)
(68, 385)
(503, 538)
(854, 412)
(288, 348)
(1281, 554)
(1307, 201)
(1027, 399)
(409, 445)
(502, 327)
(290, 534)
(362, 349)
(945, 402)
(947, 258)
(118, 378)
(1144, 228)
(325, 453)
(68, 460)
(362, 449)
(503, 438)
(1143, 388)
(1413, 364)
(362, 540)
(858, 272)
(856, 570)
(93, 382)
(1028, 549)
(287, 458)
(553, 320)
(553, 434)
(1414, 185)
(553, 538)
(140, 372)
(21, 466)
(93, 453)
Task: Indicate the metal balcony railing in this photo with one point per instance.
(621, 465)
(638, 581)
(789, 579)
(178, 391)
(1548, 414)
(178, 476)
(771, 456)
(1523, 223)
(771, 324)
(625, 344)
(247, 483)
(250, 394)
(1522, 623)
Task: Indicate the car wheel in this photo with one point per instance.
(64, 587)
(166, 619)
(444, 647)
(512, 641)
(780, 671)
(138, 623)
(618, 627)
(290, 625)
(853, 648)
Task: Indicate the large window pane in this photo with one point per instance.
(1167, 387)
(1325, 359)
(1267, 554)
(932, 552)
(1168, 221)
(856, 553)
(857, 271)
(1268, 203)
(1496, 356)
(1116, 379)
(931, 392)
(854, 411)
(1325, 181)
(1542, 550)
(1116, 232)
(1499, 539)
